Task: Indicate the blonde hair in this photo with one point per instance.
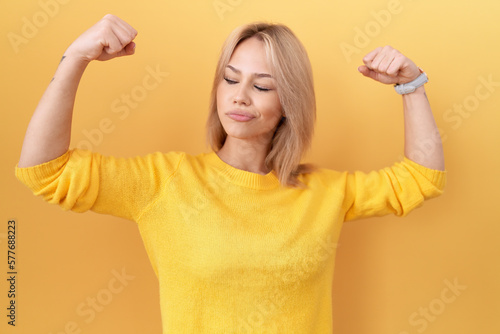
(292, 70)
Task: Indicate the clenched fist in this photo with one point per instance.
(109, 38)
(387, 65)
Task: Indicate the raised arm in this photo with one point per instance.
(49, 132)
(422, 140)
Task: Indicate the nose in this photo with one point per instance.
(241, 95)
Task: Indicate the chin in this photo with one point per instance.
(239, 133)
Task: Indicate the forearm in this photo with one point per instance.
(49, 132)
(422, 139)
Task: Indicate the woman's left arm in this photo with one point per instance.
(422, 139)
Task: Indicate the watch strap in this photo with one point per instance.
(411, 86)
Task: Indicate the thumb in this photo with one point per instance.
(363, 69)
(380, 77)
(128, 50)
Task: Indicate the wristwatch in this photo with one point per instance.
(411, 86)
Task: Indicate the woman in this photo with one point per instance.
(242, 239)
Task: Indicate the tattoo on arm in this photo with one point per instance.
(59, 64)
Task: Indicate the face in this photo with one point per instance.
(247, 101)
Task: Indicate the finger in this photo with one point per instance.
(380, 77)
(118, 41)
(377, 60)
(371, 55)
(116, 21)
(112, 44)
(386, 63)
(129, 49)
(118, 33)
(124, 30)
(396, 65)
(125, 36)
(127, 27)
(368, 59)
(383, 59)
(367, 72)
(363, 69)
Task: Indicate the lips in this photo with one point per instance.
(240, 116)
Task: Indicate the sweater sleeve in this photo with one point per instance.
(398, 189)
(80, 180)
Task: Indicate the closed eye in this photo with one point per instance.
(262, 89)
(231, 82)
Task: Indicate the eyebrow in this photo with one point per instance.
(260, 75)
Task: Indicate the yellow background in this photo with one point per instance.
(388, 270)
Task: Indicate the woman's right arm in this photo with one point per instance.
(49, 131)
(81, 180)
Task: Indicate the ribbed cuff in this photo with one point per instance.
(437, 177)
(34, 176)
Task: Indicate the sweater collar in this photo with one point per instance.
(242, 177)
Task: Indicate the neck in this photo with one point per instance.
(245, 155)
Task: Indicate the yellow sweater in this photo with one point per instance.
(234, 252)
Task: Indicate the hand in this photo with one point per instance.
(389, 66)
(109, 38)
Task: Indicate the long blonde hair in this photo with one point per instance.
(292, 69)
